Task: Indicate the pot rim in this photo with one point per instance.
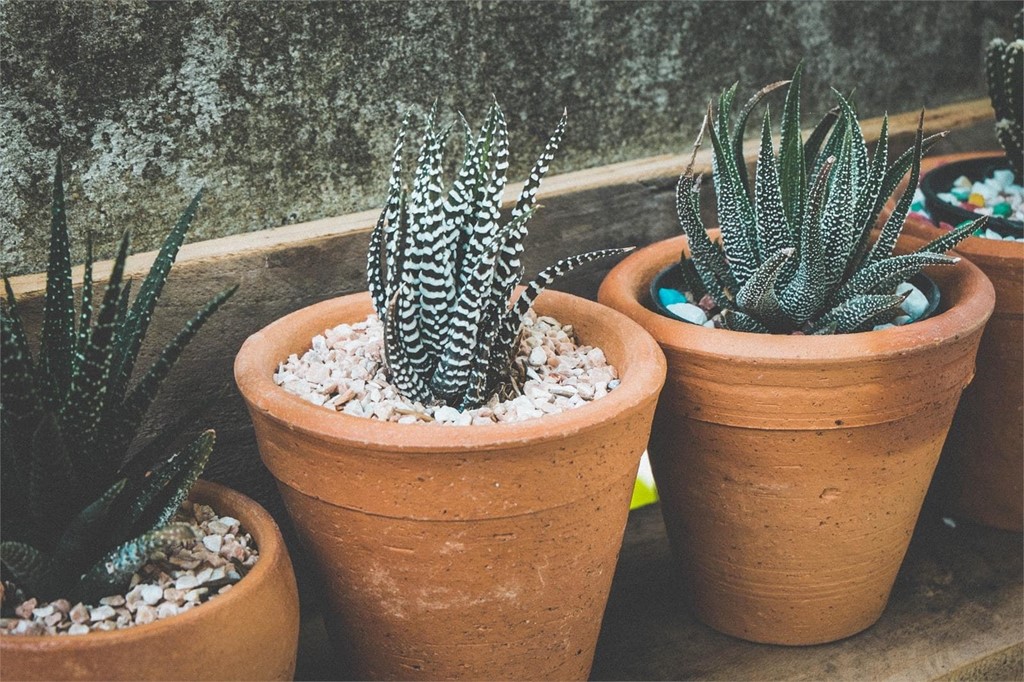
(253, 518)
(640, 382)
(969, 294)
(972, 246)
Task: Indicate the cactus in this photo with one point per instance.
(795, 253)
(1004, 71)
(82, 508)
(441, 266)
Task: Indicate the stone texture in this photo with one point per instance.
(286, 112)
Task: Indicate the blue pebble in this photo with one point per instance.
(670, 296)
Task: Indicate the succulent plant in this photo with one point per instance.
(441, 267)
(795, 252)
(83, 511)
(1004, 70)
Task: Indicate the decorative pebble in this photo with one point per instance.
(162, 588)
(101, 613)
(549, 362)
(688, 312)
(916, 302)
(997, 195)
(213, 542)
(186, 582)
(151, 594)
(43, 612)
(79, 613)
(670, 296)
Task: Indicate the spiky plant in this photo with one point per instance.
(795, 253)
(441, 267)
(1004, 70)
(81, 512)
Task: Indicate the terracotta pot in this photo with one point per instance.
(248, 633)
(476, 552)
(792, 468)
(985, 450)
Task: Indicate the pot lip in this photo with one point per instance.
(641, 385)
(972, 246)
(256, 521)
(627, 283)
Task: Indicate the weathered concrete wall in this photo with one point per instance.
(286, 112)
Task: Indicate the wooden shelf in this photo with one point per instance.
(956, 613)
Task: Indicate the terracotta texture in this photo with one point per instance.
(986, 443)
(792, 468)
(478, 552)
(249, 633)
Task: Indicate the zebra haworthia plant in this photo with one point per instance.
(442, 267)
(83, 509)
(795, 252)
(1004, 70)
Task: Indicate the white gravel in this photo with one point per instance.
(164, 587)
(343, 372)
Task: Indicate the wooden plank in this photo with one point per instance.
(956, 612)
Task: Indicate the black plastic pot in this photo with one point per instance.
(941, 179)
(672, 278)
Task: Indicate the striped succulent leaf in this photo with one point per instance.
(511, 322)
(69, 420)
(58, 334)
(859, 313)
(799, 256)
(450, 331)
(1004, 71)
(116, 568)
(708, 260)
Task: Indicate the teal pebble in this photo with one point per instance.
(1002, 209)
(960, 193)
(670, 296)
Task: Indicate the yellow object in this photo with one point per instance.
(644, 491)
(976, 199)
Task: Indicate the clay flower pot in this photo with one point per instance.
(477, 552)
(986, 443)
(792, 468)
(248, 633)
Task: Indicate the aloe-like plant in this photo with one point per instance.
(441, 267)
(1004, 70)
(82, 511)
(795, 252)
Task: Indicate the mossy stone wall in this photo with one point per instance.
(286, 112)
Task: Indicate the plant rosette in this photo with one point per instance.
(217, 639)
(986, 440)
(484, 551)
(792, 468)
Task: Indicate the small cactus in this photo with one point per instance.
(795, 254)
(441, 267)
(1004, 70)
(82, 511)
